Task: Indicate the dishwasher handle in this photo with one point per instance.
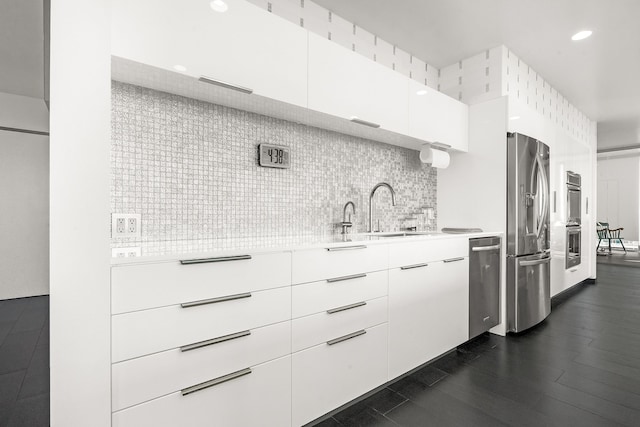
(485, 248)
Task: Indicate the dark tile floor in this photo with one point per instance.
(580, 367)
(24, 362)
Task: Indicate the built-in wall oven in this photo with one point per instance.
(574, 219)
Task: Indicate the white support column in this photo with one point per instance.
(80, 139)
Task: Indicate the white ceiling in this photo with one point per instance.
(22, 47)
(599, 75)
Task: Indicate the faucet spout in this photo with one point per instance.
(373, 192)
(346, 222)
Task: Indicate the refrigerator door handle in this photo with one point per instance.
(539, 168)
(536, 262)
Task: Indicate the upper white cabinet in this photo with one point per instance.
(244, 46)
(436, 117)
(348, 85)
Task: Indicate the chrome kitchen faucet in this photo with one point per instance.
(393, 201)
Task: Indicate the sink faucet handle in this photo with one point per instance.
(346, 221)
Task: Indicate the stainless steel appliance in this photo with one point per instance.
(574, 235)
(574, 204)
(574, 219)
(484, 284)
(528, 273)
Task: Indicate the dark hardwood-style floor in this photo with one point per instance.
(24, 362)
(580, 367)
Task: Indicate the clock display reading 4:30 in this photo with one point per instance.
(274, 156)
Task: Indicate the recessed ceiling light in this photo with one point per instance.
(219, 6)
(581, 35)
(514, 117)
(421, 92)
(180, 68)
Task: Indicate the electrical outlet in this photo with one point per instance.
(125, 225)
(126, 252)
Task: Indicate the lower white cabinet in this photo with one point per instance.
(149, 377)
(333, 373)
(256, 396)
(428, 312)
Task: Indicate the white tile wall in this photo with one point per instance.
(321, 21)
(190, 169)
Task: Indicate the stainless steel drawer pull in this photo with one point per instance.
(364, 122)
(346, 307)
(225, 84)
(215, 381)
(215, 300)
(346, 337)
(217, 259)
(340, 279)
(454, 259)
(485, 248)
(536, 262)
(409, 267)
(215, 341)
(347, 248)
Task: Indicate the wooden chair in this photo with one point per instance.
(608, 234)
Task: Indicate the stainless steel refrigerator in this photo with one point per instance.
(528, 257)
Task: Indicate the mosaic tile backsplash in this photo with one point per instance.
(190, 168)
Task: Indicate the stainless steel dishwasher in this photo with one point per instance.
(484, 284)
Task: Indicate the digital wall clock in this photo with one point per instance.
(274, 156)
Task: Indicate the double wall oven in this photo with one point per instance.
(574, 219)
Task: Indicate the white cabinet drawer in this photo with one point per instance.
(138, 287)
(316, 297)
(411, 253)
(260, 398)
(150, 331)
(322, 327)
(318, 264)
(145, 378)
(327, 376)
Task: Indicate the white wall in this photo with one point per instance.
(24, 215)
(618, 188)
(80, 140)
(24, 196)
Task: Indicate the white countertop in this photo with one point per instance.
(161, 251)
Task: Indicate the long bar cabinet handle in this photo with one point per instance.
(216, 381)
(454, 259)
(225, 84)
(215, 341)
(340, 279)
(347, 248)
(215, 259)
(409, 267)
(364, 122)
(346, 307)
(215, 300)
(346, 337)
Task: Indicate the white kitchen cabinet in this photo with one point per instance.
(149, 377)
(329, 375)
(142, 286)
(337, 263)
(315, 297)
(407, 253)
(261, 397)
(345, 84)
(148, 331)
(244, 46)
(339, 321)
(436, 117)
(428, 312)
